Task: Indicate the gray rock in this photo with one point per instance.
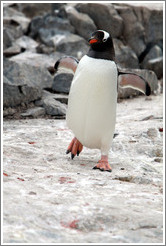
(156, 65)
(54, 107)
(37, 60)
(26, 43)
(23, 74)
(16, 18)
(62, 82)
(125, 56)
(54, 104)
(10, 33)
(82, 23)
(34, 112)
(151, 17)
(23, 83)
(12, 51)
(70, 44)
(15, 94)
(7, 38)
(20, 45)
(104, 16)
(34, 9)
(36, 23)
(9, 111)
(133, 30)
(52, 25)
(153, 53)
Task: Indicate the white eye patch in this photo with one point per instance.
(106, 35)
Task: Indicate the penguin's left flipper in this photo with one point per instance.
(67, 63)
(134, 81)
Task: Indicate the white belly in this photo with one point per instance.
(92, 103)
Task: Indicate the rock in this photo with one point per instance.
(15, 94)
(23, 74)
(70, 44)
(12, 51)
(61, 98)
(15, 18)
(125, 56)
(26, 43)
(62, 82)
(151, 17)
(23, 83)
(133, 30)
(104, 16)
(48, 26)
(82, 23)
(37, 60)
(7, 38)
(156, 65)
(10, 33)
(20, 45)
(54, 107)
(9, 111)
(148, 75)
(34, 9)
(153, 53)
(43, 49)
(36, 23)
(34, 112)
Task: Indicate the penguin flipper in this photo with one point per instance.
(67, 63)
(134, 81)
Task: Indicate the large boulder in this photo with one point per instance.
(104, 16)
(47, 26)
(70, 44)
(15, 18)
(24, 43)
(16, 94)
(37, 60)
(133, 30)
(82, 23)
(125, 56)
(23, 83)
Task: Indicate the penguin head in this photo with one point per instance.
(100, 40)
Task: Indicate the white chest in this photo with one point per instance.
(92, 101)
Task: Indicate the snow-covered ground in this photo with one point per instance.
(49, 198)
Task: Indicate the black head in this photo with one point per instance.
(101, 45)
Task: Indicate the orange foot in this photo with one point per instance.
(75, 147)
(103, 164)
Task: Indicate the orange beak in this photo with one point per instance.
(93, 40)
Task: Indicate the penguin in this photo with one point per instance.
(92, 102)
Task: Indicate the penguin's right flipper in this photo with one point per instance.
(67, 63)
(134, 81)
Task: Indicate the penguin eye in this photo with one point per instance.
(104, 39)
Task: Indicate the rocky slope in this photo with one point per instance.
(36, 35)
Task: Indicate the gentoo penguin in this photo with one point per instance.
(91, 113)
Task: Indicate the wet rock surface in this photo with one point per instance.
(49, 198)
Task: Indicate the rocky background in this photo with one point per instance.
(35, 35)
